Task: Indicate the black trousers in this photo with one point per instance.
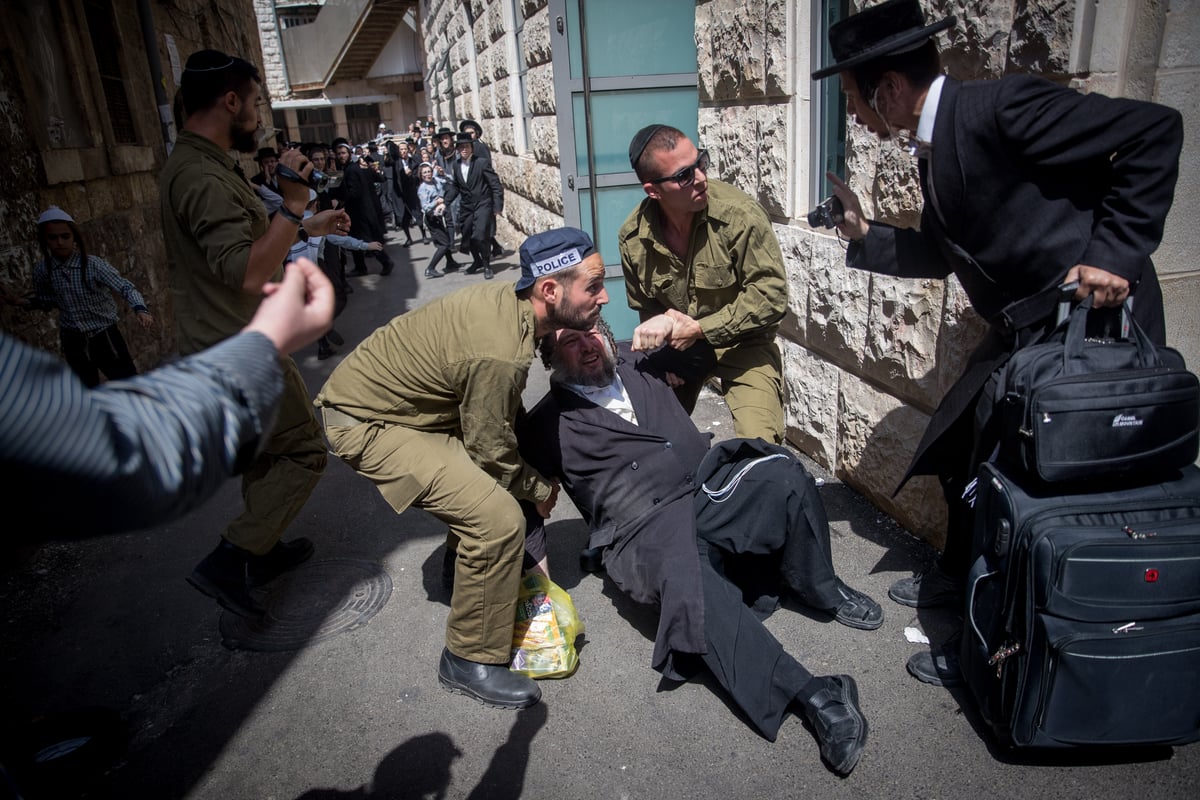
(360, 260)
(773, 527)
(744, 657)
(477, 225)
(440, 234)
(90, 354)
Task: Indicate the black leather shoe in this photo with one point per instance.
(335, 338)
(281, 558)
(938, 667)
(838, 722)
(432, 273)
(493, 685)
(591, 559)
(450, 266)
(471, 270)
(222, 576)
(488, 274)
(857, 610)
(325, 352)
(927, 590)
(356, 273)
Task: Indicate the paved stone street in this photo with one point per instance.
(345, 701)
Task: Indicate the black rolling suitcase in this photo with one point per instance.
(1082, 623)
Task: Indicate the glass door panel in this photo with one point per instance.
(621, 65)
(617, 116)
(649, 36)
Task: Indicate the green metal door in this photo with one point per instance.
(619, 65)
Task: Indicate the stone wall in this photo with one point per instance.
(274, 72)
(485, 63)
(867, 358)
(111, 190)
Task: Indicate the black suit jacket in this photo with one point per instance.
(1030, 179)
(361, 201)
(634, 486)
(480, 189)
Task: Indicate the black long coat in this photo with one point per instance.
(633, 484)
(361, 201)
(481, 194)
(1030, 179)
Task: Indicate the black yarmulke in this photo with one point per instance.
(640, 140)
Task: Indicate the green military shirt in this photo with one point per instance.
(732, 282)
(211, 217)
(457, 365)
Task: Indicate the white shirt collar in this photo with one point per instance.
(929, 110)
(612, 397)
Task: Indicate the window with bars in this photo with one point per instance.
(316, 124)
(362, 119)
(523, 116)
(106, 46)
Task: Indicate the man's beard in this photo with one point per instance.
(566, 315)
(243, 141)
(604, 377)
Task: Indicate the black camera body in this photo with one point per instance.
(317, 180)
(829, 213)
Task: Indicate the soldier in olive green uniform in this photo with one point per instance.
(702, 264)
(221, 251)
(425, 408)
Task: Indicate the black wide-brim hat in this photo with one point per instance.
(463, 138)
(266, 152)
(470, 123)
(892, 27)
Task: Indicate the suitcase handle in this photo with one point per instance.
(1066, 298)
(971, 608)
(1077, 333)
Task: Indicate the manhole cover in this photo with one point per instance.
(317, 601)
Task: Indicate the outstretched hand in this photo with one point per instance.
(329, 221)
(854, 223)
(296, 311)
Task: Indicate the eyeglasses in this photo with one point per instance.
(685, 176)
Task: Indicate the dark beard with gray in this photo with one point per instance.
(564, 374)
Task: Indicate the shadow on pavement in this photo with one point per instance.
(422, 767)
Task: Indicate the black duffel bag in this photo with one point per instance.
(1075, 408)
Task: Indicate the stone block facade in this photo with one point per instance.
(109, 185)
(477, 40)
(867, 358)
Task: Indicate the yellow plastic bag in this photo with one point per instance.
(545, 631)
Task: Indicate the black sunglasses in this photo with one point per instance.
(685, 176)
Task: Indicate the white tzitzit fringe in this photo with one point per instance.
(725, 492)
